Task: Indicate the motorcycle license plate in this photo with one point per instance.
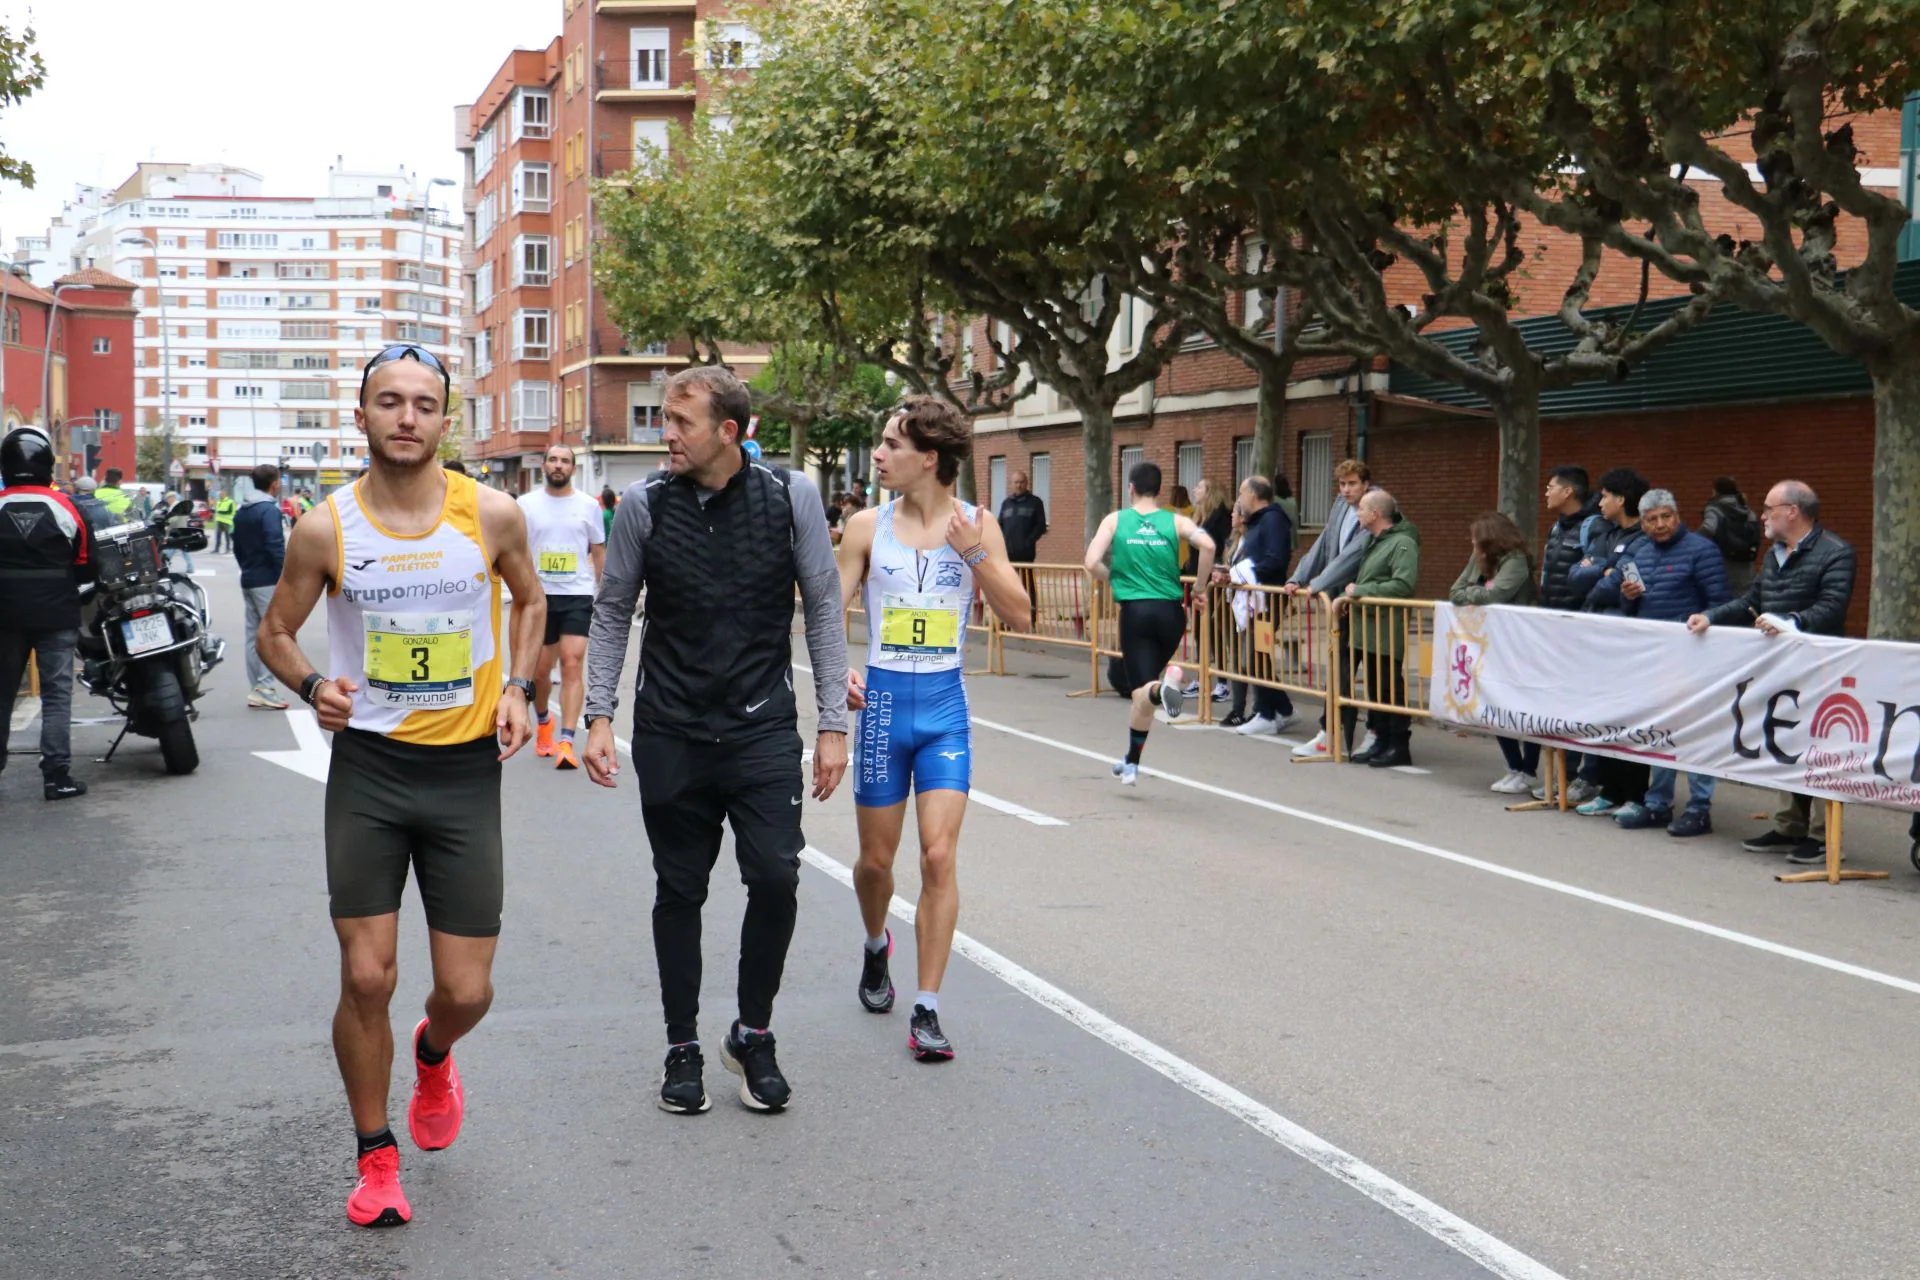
(150, 632)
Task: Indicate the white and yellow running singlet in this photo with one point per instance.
(415, 621)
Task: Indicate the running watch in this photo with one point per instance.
(523, 684)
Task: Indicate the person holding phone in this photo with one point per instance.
(1603, 575)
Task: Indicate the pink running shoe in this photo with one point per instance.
(377, 1200)
(434, 1114)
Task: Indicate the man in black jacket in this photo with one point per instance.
(260, 547)
(44, 548)
(1577, 525)
(1805, 584)
(719, 542)
(1266, 548)
(1023, 519)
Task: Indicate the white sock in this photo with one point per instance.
(878, 944)
(928, 1000)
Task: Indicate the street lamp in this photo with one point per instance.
(420, 279)
(166, 350)
(46, 370)
(6, 287)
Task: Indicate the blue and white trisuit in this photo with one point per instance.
(914, 734)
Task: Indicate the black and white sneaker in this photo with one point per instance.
(876, 984)
(63, 786)
(682, 1090)
(925, 1039)
(749, 1055)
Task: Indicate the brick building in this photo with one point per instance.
(255, 312)
(1756, 397)
(79, 378)
(599, 103)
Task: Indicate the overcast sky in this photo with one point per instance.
(276, 87)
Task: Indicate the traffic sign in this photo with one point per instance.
(318, 451)
(176, 469)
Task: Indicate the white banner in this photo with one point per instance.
(1818, 715)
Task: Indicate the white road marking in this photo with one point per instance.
(1411, 768)
(312, 756)
(1498, 1257)
(1493, 868)
(1019, 811)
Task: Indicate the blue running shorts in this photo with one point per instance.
(913, 735)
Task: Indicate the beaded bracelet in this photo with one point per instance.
(974, 556)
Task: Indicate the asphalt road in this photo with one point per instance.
(1249, 1018)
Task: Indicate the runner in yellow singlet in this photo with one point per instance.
(411, 559)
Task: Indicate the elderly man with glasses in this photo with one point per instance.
(1805, 584)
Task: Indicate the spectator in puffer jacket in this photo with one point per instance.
(1805, 584)
(1681, 574)
(1602, 574)
(1576, 527)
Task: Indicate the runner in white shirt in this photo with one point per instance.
(568, 537)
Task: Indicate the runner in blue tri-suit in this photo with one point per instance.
(920, 556)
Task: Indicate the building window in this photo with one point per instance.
(483, 153)
(103, 346)
(1131, 456)
(532, 335)
(1040, 477)
(482, 417)
(247, 239)
(996, 482)
(1188, 457)
(532, 114)
(650, 139)
(1242, 460)
(532, 187)
(643, 413)
(652, 57)
(732, 45)
(482, 353)
(306, 391)
(533, 260)
(532, 406)
(243, 391)
(1316, 477)
(105, 420)
(431, 335)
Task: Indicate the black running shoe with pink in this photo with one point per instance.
(924, 1037)
(876, 984)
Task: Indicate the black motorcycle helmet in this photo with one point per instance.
(26, 457)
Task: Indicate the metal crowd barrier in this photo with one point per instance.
(1262, 637)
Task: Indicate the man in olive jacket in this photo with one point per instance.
(1805, 584)
(1389, 567)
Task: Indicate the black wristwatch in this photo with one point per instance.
(311, 685)
(523, 684)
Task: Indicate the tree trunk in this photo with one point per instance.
(1096, 446)
(1518, 419)
(1893, 605)
(965, 485)
(797, 445)
(1270, 416)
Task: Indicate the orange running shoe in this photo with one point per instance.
(377, 1200)
(543, 738)
(563, 755)
(433, 1116)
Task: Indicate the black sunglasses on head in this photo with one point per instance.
(407, 351)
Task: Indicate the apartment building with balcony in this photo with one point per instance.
(256, 312)
(598, 104)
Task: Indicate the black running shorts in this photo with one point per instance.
(1150, 634)
(567, 616)
(391, 805)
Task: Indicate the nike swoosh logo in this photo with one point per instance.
(795, 800)
(755, 706)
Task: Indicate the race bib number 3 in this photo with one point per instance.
(420, 660)
(559, 564)
(919, 626)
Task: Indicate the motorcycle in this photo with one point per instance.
(146, 638)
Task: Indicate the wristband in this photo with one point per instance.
(311, 686)
(523, 684)
(975, 556)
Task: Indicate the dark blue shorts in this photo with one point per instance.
(913, 736)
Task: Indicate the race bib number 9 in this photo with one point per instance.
(914, 626)
(559, 564)
(421, 661)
